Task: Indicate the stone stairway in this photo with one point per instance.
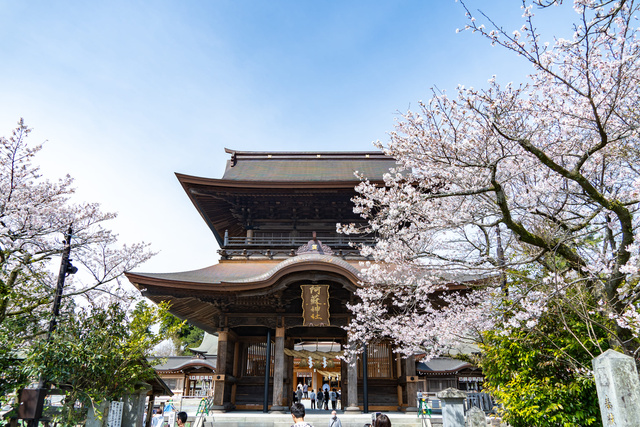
(256, 419)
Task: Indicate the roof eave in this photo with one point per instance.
(187, 180)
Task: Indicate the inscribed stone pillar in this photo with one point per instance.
(93, 420)
(412, 384)
(476, 417)
(618, 389)
(352, 385)
(278, 373)
(134, 406)
(452, 407)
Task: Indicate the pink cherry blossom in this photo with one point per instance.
(521, 194)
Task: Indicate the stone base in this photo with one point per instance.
(411, 409)
(219, 409)
(352, 410)
(278, 409)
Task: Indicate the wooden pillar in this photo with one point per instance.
(223, 379)
(236, 370)
(412, 384)
(398, 358)
(147, 421)
(365, 378)
(352, 385)
(267, 373)
(288, 372)
(344, 381)
(278, 374)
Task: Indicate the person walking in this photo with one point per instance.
(299, 394)
(325, 399)
(312, 396)
(305, 390)
(334, 421)
(334, 399)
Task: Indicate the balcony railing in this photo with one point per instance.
(295, 242)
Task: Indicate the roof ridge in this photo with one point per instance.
(306, 155)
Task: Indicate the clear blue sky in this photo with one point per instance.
(128, 92)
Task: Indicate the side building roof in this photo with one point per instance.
(208, 347)
(443, 365)
(179, 363)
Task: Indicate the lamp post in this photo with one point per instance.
(65, 268)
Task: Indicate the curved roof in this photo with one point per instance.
(177, 363)
(191, 293)
(208, 346)
(442, 365)
(237, 275)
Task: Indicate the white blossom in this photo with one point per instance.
(553, 165)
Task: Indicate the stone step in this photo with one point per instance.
(317, 420)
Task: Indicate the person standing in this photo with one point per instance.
(325, 398)
(320, 398)
(334, 421)
(305, 390)
(181, 418)
(382, 421)
(297, 413)
(157, 419)
(299, 394)
(334, 399)
(312, 396)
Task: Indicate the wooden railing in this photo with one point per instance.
(294, 242)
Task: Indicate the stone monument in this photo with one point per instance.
(618, 389)
(452, 407)
(476, 417)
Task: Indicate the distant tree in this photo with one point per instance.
(35, 214)
(526, 196)
(165, 348)
(183, 336)
(98, 354)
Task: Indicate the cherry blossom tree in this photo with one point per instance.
(511, 202)
(35, 215)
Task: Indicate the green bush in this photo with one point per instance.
(543, 377)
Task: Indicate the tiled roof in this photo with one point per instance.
(306, 167)
(176, 363)
(442, 364)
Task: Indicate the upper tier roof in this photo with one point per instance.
(306, 166)
(300, 187)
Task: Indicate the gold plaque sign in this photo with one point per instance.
(315, 305)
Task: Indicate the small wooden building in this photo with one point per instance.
(283, 281)
(441, 373)
(187, 376)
